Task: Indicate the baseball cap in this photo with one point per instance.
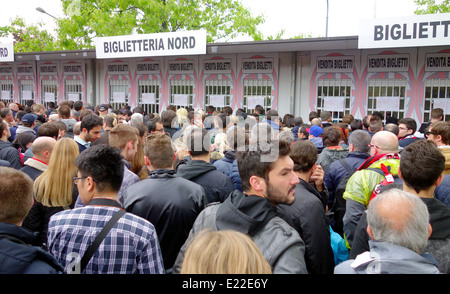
(316, 131)
(28, 118)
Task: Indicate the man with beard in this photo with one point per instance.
(268, 179)
(90, 131)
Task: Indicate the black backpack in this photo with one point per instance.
(338, 208)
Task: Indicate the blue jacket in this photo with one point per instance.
(228, 166)
(336, 171)
(18, 256)
(442, 191)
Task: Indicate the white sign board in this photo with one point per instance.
(144, 45)
(27, 95)
(334, 103)
(252, 101)
(217, 100)
(6, 52)
(388, 103)
(180, 99)
(412, 31)
(148, 98)
(119, 97)
(49, 97)
(442, 103)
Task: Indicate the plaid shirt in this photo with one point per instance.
(131, 247)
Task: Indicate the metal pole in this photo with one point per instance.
(326, 31)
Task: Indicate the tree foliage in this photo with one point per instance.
(87, 19)
(431, 6)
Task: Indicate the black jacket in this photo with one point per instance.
(18, 256)
(10, 154)
(171, 203)
(217, 185)
(307, 216)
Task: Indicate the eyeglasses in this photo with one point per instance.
(75, 180)
(371, 145)
(428, 134)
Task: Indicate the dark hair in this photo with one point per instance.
(90, 121)
(151, 124)
(64, 111)
(104, 164)
(77, 105)
(331, 137)
(304, 155)
(198, 142)
(48, 130)
(253, 161)
(410, 123)
(158, 148)
(441, 128)
(421, 164)
(356, 124)
(167, 118)
(259, 109)
(222, 120)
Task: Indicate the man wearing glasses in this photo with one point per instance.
(383, 152)
(406, 131)
(439, 133)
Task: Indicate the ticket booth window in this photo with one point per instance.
(334, 88)
(395, 88)
(73, 89)
(217, 93)
(436, 90)
(49, 91)
(262, 89)
(149, 89)
(118, 92)
(26, 91)
(181, 93)
(6, 93)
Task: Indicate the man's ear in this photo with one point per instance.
(369, 231)
(147, 160)
(257, 183)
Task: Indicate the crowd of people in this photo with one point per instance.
(91, 189)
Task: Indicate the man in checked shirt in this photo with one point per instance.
(131, 247)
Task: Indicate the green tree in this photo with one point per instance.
(87, 19)
(29, 38)
(430, 6)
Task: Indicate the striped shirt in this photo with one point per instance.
(131, 247)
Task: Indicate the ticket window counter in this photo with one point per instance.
(437, 95)
(217, 93)
(334, 95)
(181, 93)
(257, 92)
(119, 90)
(6, 90)
(73, 89)
(387, 96)
(26, 91)
(149, 95)
(49, 91)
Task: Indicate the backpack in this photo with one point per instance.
(338, 208)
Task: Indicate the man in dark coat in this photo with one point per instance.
(307, 213)
(17, 253)
(171, 203)
(199, 169)
(7, 151)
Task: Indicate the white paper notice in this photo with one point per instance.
(119, 97)
(334, 103)
(148, 98)
(6, 94)
(180, 99)
(252, 101)
(217, 100)
(73, 96)
(49, 97)
(442, 103)
(27, 95)
(388, 103)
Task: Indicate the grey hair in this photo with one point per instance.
(360, 140)
(409, 229)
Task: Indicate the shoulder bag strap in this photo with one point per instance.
(98, 240)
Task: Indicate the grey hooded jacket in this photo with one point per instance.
(278, 242)
(387, 258)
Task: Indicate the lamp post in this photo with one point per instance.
(41, 10)
(326, 28)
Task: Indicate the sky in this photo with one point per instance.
(295, 16)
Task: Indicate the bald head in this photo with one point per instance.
(42, 148)
(385, 141)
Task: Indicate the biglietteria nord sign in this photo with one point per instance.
(145, 45)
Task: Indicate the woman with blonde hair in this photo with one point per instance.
(54, 190)
(224, 252)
